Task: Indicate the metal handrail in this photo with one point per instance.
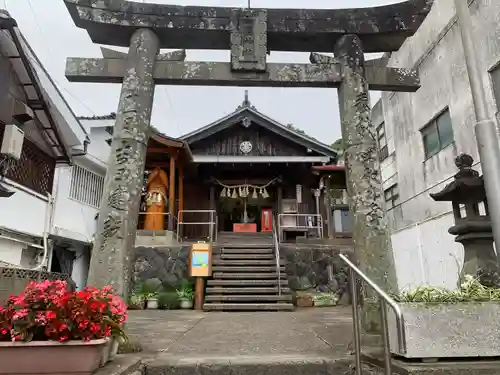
(212, 223)
(318, 226)
(277, 254)
(384, 299)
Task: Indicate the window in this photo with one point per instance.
(86, 186)
(382, 142)
(391, 196)
(438, 134)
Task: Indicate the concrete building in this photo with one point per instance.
(421, 133)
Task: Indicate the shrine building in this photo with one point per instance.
(244, 172)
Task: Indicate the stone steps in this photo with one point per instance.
(247, 290)
(247, 282)
(247, 275)
(247, 268)
(246, 252)
(247, 306)
(247, 298)
(246, 262)
(246, 246)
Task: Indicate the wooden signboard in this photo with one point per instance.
(200, 260)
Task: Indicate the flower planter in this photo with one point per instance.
(448, 330)
(109, 351)
(51, 357)
(304, 301)
(113, 348)
(324, 302)
(152, 304)
(186, 303)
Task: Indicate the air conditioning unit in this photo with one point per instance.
(12, 143)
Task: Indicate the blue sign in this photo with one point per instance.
(199, 259)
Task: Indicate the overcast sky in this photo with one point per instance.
(179, 110)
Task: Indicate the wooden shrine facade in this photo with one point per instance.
(240, 171)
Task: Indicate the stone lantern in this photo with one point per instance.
(472, 228)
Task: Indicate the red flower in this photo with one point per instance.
(47, 310)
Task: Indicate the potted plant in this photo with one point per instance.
(439, 323)
(185, 295)
(325, 299)
(152, 301)
(168, 300)
(136, 301)
(304, 299)
(49, 321)
(150, 290)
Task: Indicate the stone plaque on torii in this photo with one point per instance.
(250, 34)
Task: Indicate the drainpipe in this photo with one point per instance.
(486, 130)
(46, 232)
(317, 193)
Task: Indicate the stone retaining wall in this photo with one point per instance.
(317, 268)
(166, 264)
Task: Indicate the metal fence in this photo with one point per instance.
(14, 280)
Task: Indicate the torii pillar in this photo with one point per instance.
(117, 224)
(364, 183)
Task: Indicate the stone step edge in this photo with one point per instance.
(245, 246)
(242, 282)
(245, 289)
(244, 251)
(250, 298)
(248, 275)
(185, 361)
(248, 306)
(123, 364)
(244, 269)
(269, 261)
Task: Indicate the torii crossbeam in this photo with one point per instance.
(250, 34)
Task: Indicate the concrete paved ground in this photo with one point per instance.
(250, 336)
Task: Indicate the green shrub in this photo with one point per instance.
(470, 290)
(168, 300)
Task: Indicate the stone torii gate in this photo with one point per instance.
(250, 34)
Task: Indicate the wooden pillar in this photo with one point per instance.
(171, 194)
(328, 207)
(211, 232)
(279, 209)
(199, 293)
(181, 190)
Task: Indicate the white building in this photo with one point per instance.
(421, 133)
(78, 192)
(49, 221)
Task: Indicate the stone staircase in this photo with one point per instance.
(245, 276)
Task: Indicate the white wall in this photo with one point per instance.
(426, 254)
(24, 211)
(72, 219)
(10, 251)
(98, 147)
